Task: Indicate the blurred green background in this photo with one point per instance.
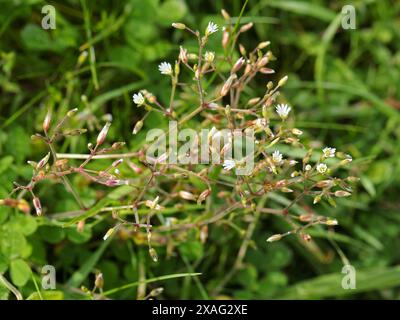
(344, 86)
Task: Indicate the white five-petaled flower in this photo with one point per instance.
(283, 110)
(165, 68)
(229, 164)
(209, 56)
(329, 152)
(322, 167)
(211, 28)
(308, 167)
(138, 98)
(277, 156)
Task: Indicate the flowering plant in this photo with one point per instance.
(155, 187)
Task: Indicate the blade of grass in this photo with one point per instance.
(320, 60)
(330, 285)
(155, 279)
(79, 276)
(92, 54)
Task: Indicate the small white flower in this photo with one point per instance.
(329, 152)
(211, 28)
(138, 99)
(283, 110)
(308, 167)
(165, 68)
(209, 56)
(322, 167)
(277, 156)
(229, 164)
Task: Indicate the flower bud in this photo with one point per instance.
(153, 254)
(70, 113)
(282, 81)
(187, 195)
(183, 55)
(225, 39)
(138, 127)
(82, 58)
(117, 145)
(155, 292)
(109, 233)
(117, 162)
(262, 62)
(203, 234)
(263, 45)
(227, 85)
(239, 63)
(225, 14)
(205, 194)
(267, 71)
(178, 25)
(135, 168)
(80, 226)
(275, 237)
(306, 237)
(324, 184)
(242, 50)
(331, 222)
(99, 282)
(317, 199)
(37, 205)
(297, 132)
(342, 193)
(253, 101)
(46, 122)
(246, 27)
(43, 162)
(103, 134)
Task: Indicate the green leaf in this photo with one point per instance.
(304, 8)
(26, 224)
(47, 295)
(192, 250)
(12, 242)
(35, 38)
(20, 272)
(3, 263)
(79, 236)
(5, 163)
(330, 285)
(171, 11)
(91, 212)
(368, 185)
(80, 275)
(51, 234)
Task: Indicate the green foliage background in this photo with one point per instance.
(344, 86)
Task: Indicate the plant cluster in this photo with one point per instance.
(198, 195)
